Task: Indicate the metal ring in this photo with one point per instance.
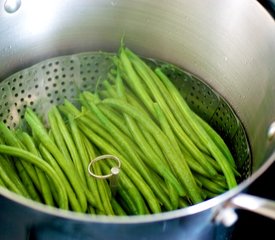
(106, 156)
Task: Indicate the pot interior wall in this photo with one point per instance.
(213, 40)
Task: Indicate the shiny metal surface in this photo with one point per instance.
(229, 44)
(254, 204)
(213, 40)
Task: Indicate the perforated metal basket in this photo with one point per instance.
(53, 80)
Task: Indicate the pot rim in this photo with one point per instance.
(211, 204)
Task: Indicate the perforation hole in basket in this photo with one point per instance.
(94, 69)
(17, 96)
(225, 121)
(197, 94)
(241, 153)
(61, 79)
(201, 99)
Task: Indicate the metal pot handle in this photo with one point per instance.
(261, 206)
(255, 204)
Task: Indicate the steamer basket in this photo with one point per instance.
(53, 80)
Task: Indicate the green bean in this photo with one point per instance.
(95, 125)
(90, 121)
(68, 108)
(182, 170)
(119, 211)
(151, 84)
(106, 137)
(130, 96)
(98, 131)
(44, 184)
(74, 204)
(150, 156)
(183, 203)
(103, 94)
(27, 181)
(73, 154)
(220, 180)
(40, 163)
(128, 169)
(10, 167)
(134, 81)
(165, 96)
(92, 183)
(192, 163)
(57, 135)
(98, 128)
(160, 97)
(148, 136)
(127, 203)
(101, 183)
(5, 163)
(7, 182)
(201, 133)
(167, 129)
(116, 119)
(91, 210)
(79, 145)
(170, 190)
(217, 139)
(174, 197)
(155, 163)
(210, 194)
(65, 165)
(127, 147)
(111, 92)
(22, 167)
(164, 125)
(69, 144)
(210, 184)
(79, 139)
(213, 162)
(129, 186)
(2, 184)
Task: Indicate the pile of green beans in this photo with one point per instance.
(170, 157)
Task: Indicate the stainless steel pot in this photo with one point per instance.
(229, 44)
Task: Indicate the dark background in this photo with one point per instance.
(269, 6)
